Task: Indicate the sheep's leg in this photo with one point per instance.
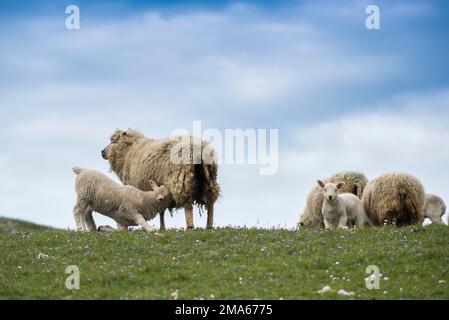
(327, 224)
(189, 216)
(78, 218)
(363, 220)
(89, 220)
(343, 222)
(121, 227)
(162, 220)
(436, 220)
(140, 220)
(210, 216)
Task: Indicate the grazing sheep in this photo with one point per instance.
(136, 160)
(341, 210)
(434, 208)
(312, 217)
(127, 205)
(394, 198)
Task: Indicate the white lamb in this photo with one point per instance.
(434, 208)
(342, 210)
(127, 205)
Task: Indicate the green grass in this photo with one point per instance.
(227, 264)
(14, 225)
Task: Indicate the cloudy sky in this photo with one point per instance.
(342, 97)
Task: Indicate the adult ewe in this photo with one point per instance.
(136, 160)
(354, 182)
(394, 198)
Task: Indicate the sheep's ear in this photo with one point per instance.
(116, 135)
(321, 183)
(153, 185)
(340, 185)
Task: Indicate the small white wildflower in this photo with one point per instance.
(175, 294)
(325, 289)
(442, 281)
(42, 256)
(343, 292)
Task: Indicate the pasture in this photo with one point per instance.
(227, 263)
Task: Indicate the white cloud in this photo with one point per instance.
(3, 161)
(193, 60)
(62, 128)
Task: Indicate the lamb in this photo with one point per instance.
(434, 208)
(341, 210)
(127, 205)
(394, 198)
(136, 160)
(312, 218)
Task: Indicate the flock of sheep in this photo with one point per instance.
(152, 183)
(347, 199)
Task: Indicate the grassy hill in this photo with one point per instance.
(14, 225)
(227, 264)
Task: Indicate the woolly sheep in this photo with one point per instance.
(136, 160)
(127, 205)
(394, 198)
(341, 210)
(311, 217)
(434, 208)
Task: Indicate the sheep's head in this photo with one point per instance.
(120, 141)
(162, 192)
(330, 190)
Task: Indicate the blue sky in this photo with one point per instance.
(343, 97)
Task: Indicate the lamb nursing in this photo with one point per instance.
(341, 210)
(127, 205)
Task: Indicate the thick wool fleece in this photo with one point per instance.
(137, 159)
(394, 197)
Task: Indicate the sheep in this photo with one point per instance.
(127, 205)
(137, 159)
(394, 198)
(434, 208)
(341, 210)
(311, 217)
